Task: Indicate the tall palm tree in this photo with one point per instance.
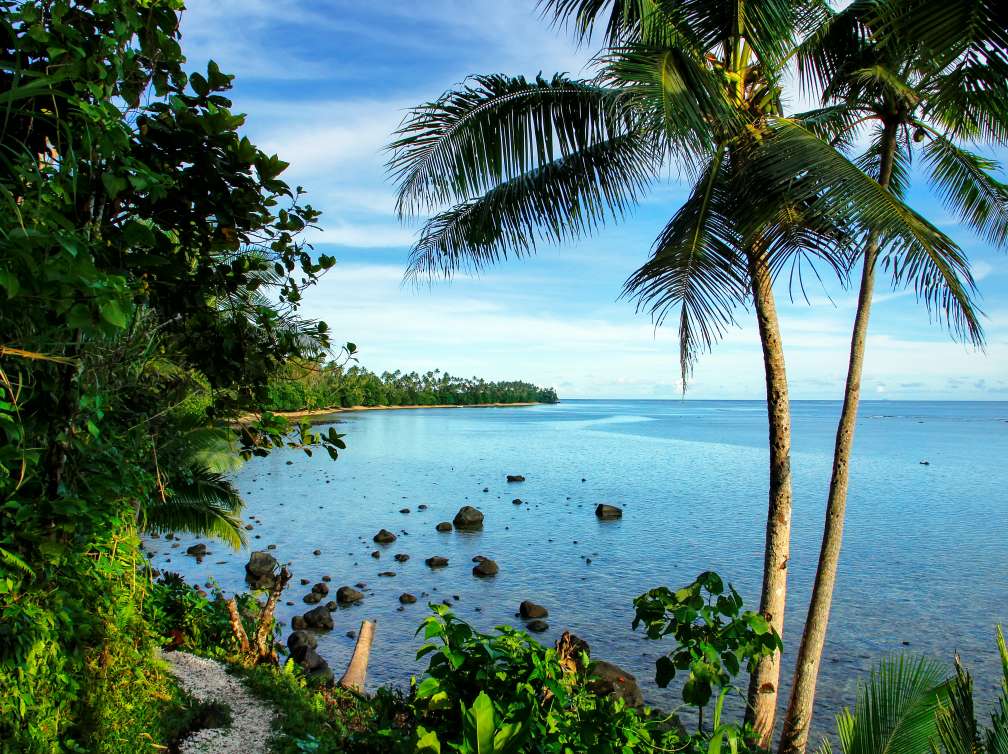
(506, 163)
(883, 71)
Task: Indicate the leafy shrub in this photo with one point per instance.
(185, 619)
(508, 693)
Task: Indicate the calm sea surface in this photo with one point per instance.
(925, 557)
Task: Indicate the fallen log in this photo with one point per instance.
(356, 672)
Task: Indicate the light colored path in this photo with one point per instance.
(208, 681)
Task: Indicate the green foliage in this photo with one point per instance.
(714, 637)
(959, 732)
(506, 692)
(151, 277)
(185, 619)
(309, 385)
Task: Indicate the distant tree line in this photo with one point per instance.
(309, 386)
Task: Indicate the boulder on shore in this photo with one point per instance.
(607, 678)
(444, 526)
(384, 537)
(299, 642)
(608, 512)
(515, 478)
(346, 595)
(468, 518)
(261, 570)
(437, 561)
(485, 567)
(528, 609)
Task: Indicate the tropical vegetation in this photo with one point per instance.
(304, 385)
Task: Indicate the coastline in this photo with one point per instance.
(319, 415)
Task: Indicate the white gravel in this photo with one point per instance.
(208, 681)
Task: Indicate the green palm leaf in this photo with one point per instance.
(564, 199)
(895, 710)
(916, 253)
(965, 183)
(495, 129)
(696, 267)
(205, 505)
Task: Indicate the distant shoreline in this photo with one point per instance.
(317, 415)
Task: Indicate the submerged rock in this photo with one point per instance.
(515, 478)
(468, 518)
(401, 557)
(608, 512)
(312, 598)
(437, 561)
(444, 526)
(538, 626)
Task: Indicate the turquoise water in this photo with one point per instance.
(925, 557)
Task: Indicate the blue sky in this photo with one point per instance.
(325, 83)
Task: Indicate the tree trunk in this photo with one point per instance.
(356, 672)
(763, 683)
(794, 738)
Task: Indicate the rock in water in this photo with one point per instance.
(406, 598)
(312, 598)
(384, 537)
(319, 618)
(444, 526)
(346, 595)
(437, 561)
(515, 478)
(321, 589)
(261, 570)
(517, 501)
(529, 609)
(401, 557)
(608, 512)
(197, 550)
(538, 626)
(485, 567)
(468, 518)
(607, 678)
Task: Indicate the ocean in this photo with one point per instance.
(924, 568)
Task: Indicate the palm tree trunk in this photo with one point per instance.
(794, 738)
(763, 683)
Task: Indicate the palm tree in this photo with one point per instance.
(881, 69)
(506, 163)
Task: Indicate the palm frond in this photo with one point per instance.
(870, 162)
(696, 267)
(967, 187)
(493, 129)
(206, 505)
(623, 19)
(916, 253)
(565, 199)
(955, 720)
(895, 710)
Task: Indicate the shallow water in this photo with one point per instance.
(925, 557)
